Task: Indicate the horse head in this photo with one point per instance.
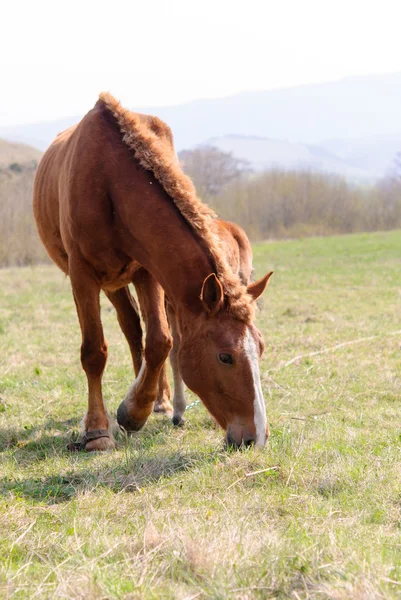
(219, 361)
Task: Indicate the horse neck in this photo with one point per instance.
(159, 238)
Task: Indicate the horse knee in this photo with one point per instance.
(158, 349)
(93, 358)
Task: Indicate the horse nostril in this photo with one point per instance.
(249, 442)
(231, 442)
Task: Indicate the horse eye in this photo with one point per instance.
(226, 359)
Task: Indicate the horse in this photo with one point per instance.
(238, 251)
(113, 207)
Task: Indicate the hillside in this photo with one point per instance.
(19, 242)
(264, 154)
(12, 152)
(374, 154)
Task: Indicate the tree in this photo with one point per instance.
(15, 167)
(212, 169)
(396, 170)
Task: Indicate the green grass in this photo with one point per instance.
(170, 514)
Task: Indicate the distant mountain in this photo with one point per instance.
(374, 154)
(39, 135)
(264, 153)
(11, 152)
(350, 109)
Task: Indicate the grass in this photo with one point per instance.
(170, 514)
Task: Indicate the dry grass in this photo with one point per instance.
(170, 514)
(19, 241)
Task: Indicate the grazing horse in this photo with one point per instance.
(112, 207)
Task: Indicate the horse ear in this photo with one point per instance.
(257, 288)
(212, 294)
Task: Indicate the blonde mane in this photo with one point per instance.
(146, 136)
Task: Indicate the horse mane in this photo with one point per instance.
(146, 136)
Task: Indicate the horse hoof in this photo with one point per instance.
(178, 421)
(100, 445)
(127, 422)
(92, 441)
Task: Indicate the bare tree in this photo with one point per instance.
(212, 169)
(396, 170)
(301, 203)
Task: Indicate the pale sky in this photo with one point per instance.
(55, 57)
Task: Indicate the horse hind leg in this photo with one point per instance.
(163, 404)
(179, 402)
(97, 433)
(130, 323)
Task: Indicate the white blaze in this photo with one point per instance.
(258, 402)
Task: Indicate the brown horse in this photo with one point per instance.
(113, 206)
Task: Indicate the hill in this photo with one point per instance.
(264, 154)
(12, 152)
(19, 242)
(374, 154)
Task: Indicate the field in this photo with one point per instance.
(171, 514)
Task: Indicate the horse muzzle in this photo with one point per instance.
(238, 436)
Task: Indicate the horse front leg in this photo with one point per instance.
(139, 401)
(130, 323)
(97, 434)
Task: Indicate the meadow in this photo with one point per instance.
(171, 514)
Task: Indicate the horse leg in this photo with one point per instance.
(86, 291)
(138, 403)
(179, 403)
(130, 323)
(163, 404)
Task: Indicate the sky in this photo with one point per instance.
(55, 57)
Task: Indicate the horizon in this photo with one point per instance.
(209, 98)
(350, 125)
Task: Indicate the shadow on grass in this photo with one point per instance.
(50, 439)
(25, 443)
(130, 476)
(140, 460)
